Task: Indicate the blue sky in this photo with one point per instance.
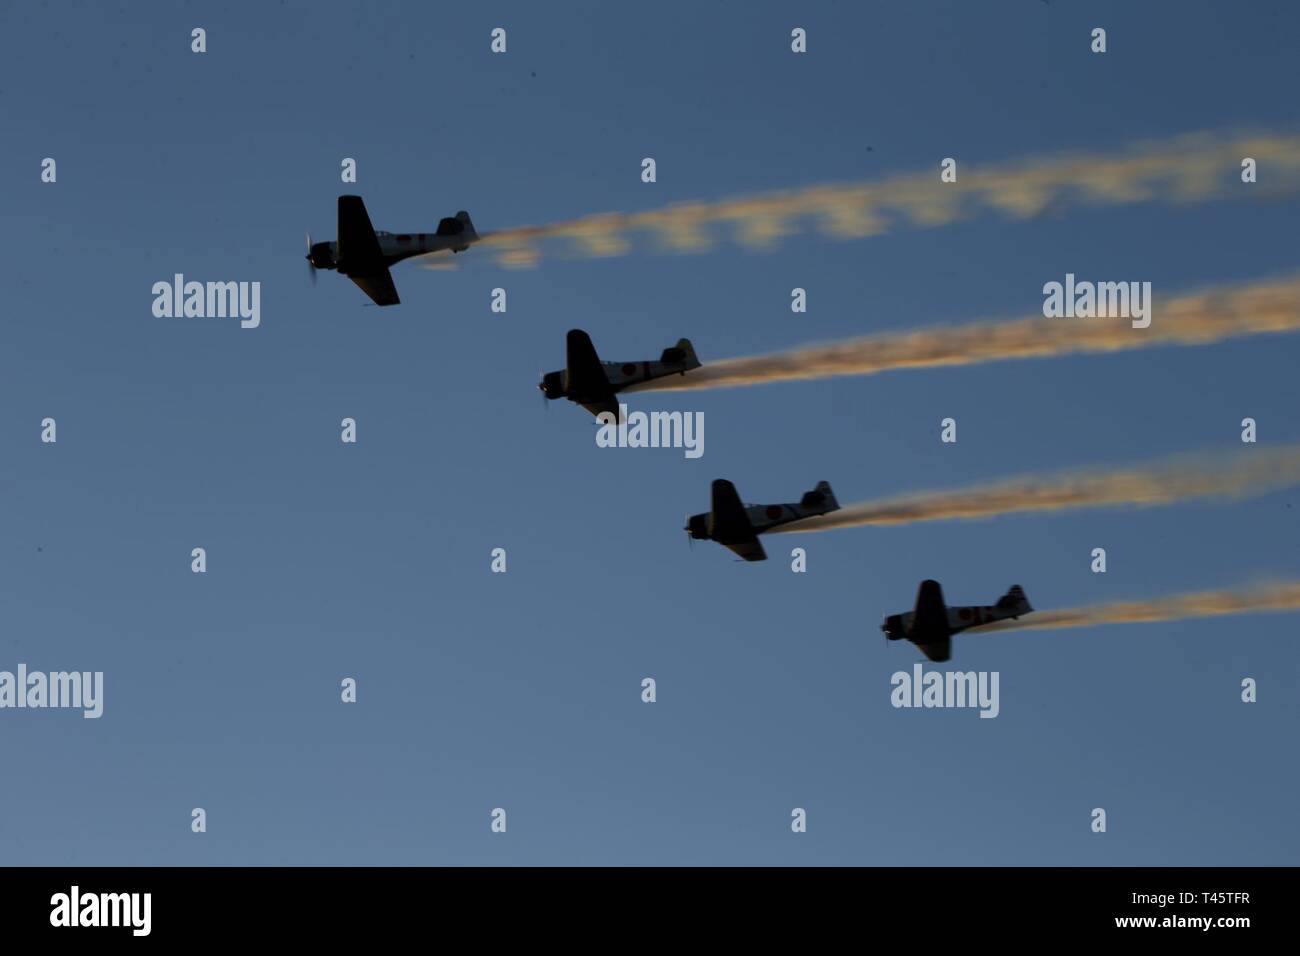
(522, 690)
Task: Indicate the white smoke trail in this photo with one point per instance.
(1197, 319)
(1253, 600)
(1256, 471)
(1190, 168)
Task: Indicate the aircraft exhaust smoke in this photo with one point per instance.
(1252, 600)
(1197, 319)
(1194, 167)
(1206, 475)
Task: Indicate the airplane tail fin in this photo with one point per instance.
(821, 496)
(1014, 600)
(683, 353)
(458, 225)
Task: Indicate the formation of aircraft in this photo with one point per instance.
(737, 526)
(587, 381)
(363, 254)
(932, 624)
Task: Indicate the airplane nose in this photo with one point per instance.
(552, 385)
(321, 256)
(697, 526)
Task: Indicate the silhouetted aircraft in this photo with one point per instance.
(591, 383)
(737, 526)
(932, 624)
(363, 254)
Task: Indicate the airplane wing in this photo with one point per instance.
(930, 631)
(359, 255)
(608, 405)
(731, 527)
(358, 248)
(937, 651)
(587, 382)
(751, 550)
(378, 285)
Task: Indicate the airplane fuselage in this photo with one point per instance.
(621, 375)
(394, 247)
(761, 518)
(931, 624)
(591, 383)
(953, 621)
(766, 517)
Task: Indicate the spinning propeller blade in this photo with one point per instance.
(311, 266)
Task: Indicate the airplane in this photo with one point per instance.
(932, 624)
(737, 526)
(591, 383)
(364, 254)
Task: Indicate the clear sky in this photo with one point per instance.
(522, 690)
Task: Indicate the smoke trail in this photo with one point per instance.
(1196, 319)
(1177, 479)
(1188, 168)
(1254, 600)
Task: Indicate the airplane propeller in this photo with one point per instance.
(311, 266)
(686, 526)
